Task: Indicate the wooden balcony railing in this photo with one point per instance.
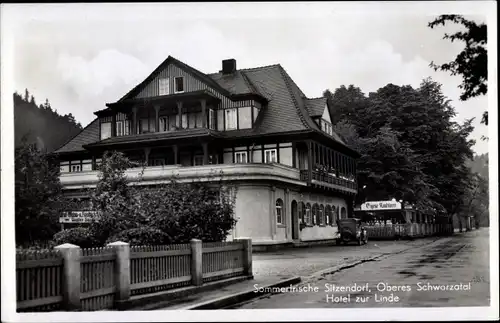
(327, 178)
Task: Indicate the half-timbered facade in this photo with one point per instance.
(294, 175)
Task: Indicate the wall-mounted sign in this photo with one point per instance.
(77, 217)
(381, 205)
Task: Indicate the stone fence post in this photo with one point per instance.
(247, 255)
(196, 262)
(122, 272)
(71, 276)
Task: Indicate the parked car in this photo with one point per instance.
(351, 229)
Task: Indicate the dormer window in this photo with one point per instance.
(179, 84)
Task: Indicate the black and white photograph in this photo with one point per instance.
(266, 161)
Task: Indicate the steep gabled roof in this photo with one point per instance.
(188, 69)
(287, 110)
(88, 135)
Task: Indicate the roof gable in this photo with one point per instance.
(316, 106)
(326, 114)
(142, 88)
(284, 110)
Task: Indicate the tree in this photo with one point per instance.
(47, 105)
(411, 148)
(159, 214)
(40, 123)
(471, 62)
(37, 195)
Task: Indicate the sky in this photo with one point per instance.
(82, 56)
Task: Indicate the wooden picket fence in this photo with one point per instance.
(157, 268)
(408, 230)
(97, 283)
(222, 260)
(43, 284)
(39, 280)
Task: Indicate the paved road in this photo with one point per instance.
(411, 278)
(306, 261)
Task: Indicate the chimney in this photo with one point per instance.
(228, 66)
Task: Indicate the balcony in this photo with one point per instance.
(207, 173)
(329, 181)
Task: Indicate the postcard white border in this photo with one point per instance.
(11, 14)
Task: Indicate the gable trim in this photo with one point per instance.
(186, 68)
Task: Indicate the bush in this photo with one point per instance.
(166, 213)
(140, 236)
(80, 236)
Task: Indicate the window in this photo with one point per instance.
(86, 165)
(105, 130)
(300, 212)
(211, 119)
(230, 118)
(279, 211)
(199, 120)
(76, 168)
(184, 120)
(179, 84)
(144, 126)
(198, 160)
(192, 120)
(308, 214)
(172, 122)
(270, 156)
(328, 215)
(123, 128)
(213, 159)
(164, 88)
(164, 124)
(240, 157)
(315, 211)
(64, 167)
(321, 215)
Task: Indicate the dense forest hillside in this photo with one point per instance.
(40, 124)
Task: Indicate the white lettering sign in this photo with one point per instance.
(77, 217)
(381, 205)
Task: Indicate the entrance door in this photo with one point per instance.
(295, 221)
